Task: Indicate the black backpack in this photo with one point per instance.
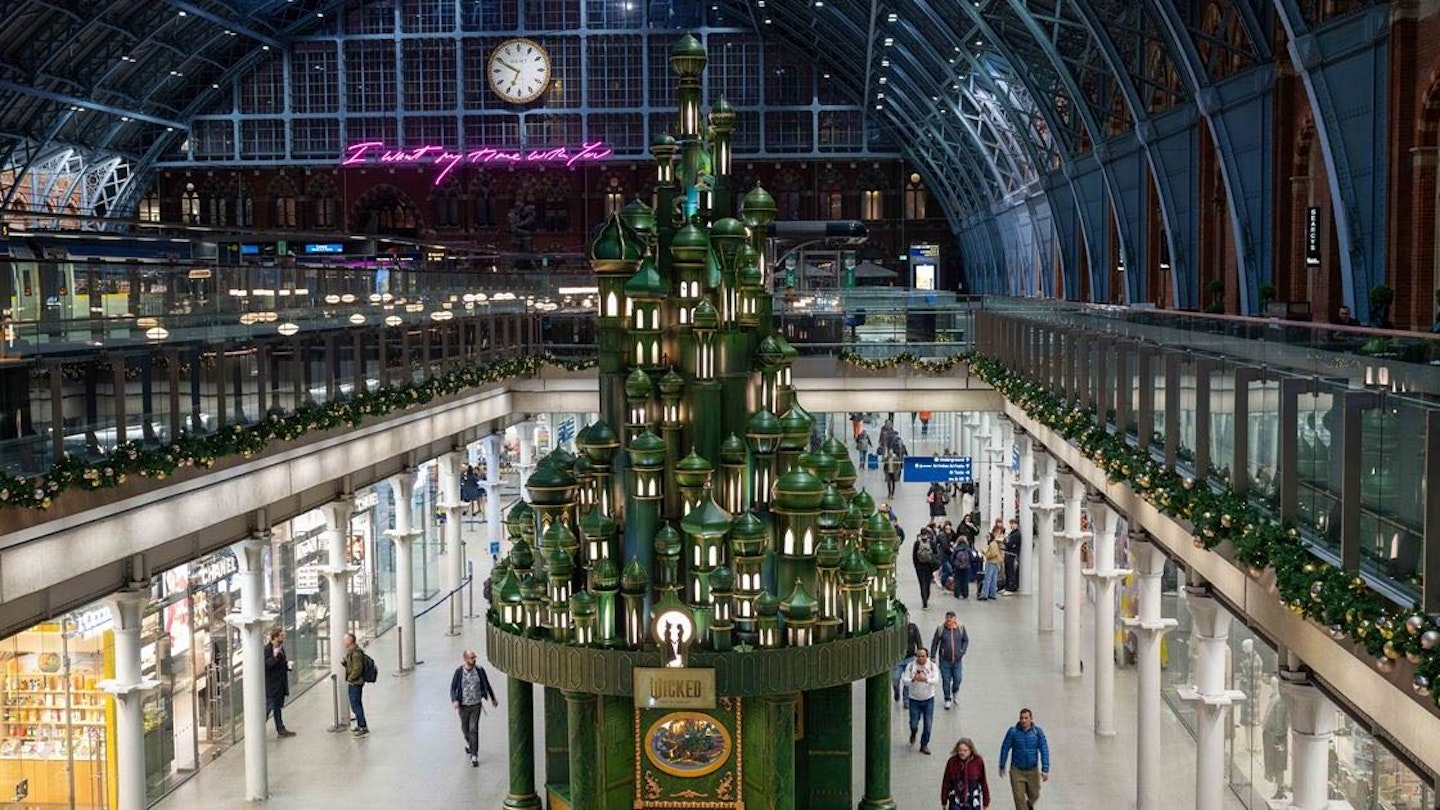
(924, 551)
(369, 673)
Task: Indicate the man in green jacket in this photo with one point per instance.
(354, 662)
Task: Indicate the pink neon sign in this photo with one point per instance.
(376, 153)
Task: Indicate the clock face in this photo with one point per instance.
(518, 70)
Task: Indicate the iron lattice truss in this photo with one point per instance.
(985, 96)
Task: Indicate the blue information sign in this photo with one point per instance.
(325, 247)
(945, 469)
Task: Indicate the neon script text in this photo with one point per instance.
(376, 153)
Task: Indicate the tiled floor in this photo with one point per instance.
(414, 755)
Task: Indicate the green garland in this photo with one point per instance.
(941, 366)
(1307, 585)
(249, 440)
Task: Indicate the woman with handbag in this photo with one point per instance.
(965, 786)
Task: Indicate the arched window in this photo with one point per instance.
(244, 205)
(871, 205)
(914, 198)
(190, 205)
(614, 197)
(323, 204)
(282, 197)
(150, 207)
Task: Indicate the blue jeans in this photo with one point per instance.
(357, 708)
(922, 709)
(992, 573)
(895, 675)
(950, 672)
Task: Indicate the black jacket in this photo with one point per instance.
(485, 691)
(277, 673)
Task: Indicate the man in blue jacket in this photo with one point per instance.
(1032, 760)
(468, 691)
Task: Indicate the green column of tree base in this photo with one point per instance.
(581, 713)
(521, 710)
(877, 744)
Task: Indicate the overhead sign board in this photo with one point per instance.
(325, 247)
(944, 469)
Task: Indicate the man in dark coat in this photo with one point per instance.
(277, 680)
(469, 689)
(927, 561)
(1012, 558)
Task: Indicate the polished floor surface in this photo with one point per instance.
(414, 756)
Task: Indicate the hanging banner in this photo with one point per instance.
(1312, 236)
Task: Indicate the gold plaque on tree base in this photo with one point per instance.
(669, 688)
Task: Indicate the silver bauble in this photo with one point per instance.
(1414, 624)
(1421, 685)
(1385, 665)
(1430, 639)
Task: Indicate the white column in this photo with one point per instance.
(402, 488)
(1025, 486)
(1007, 472)
(1045, 509)
(338, 572)
(995, 477)
(491, 447)
(982, 472)
(1312, 730)
(1149, 626)
(526, 433)
(452, 554)
(1212, 699)
(253, 622)
(1070, 542)
(1104, 576)
(129, 688)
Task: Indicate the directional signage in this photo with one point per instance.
(944, 469)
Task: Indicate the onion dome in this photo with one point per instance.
(795, 425)
(582, 469)
(599, 442)
(878, 527)
(769, 353)
(833, 503)
(765, 604)
(828, 553)
(550, 485)
(671, 384)
(582, 604)
(799, 605)
(833, 447)
(853, 520)
(706, 317)
(561, 457)
(531, 589)
(798, 491)
(614, 248)
(706, 520)
(748, 535)
(597, 525)
(789, 352)
(646, 283)
(689, 244)
(519, 517)
(634, 580)
(638, 385)
(604, 576)
(509, 590)
(864, 503)
(852, 568)
(521, 557)
(750, 275)
(732, 450)
(640, 216)
(558, 563)
(558, 535)
(727, 234)
(821, 464)
(722, 580)
(663, 141)
(758, 208)
(693, 471)
(763, 431)
(648, 450)
(722, 114)
(688, 57)
(667, 541)
(845, 473)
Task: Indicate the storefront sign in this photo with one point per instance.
(367, 500)
(377, 153)
(213, 569)
(669, 688)
(1312, 236)
(88, 621)
(944, 469)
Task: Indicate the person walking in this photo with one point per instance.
(993, 558)
(937, 498)
(1031, 764)
(921, 675)
(949, 645)
(277, 680)
(926, 559)
(1011, 547)
(912, 644)
(964, 786)
(469, 688)
(960, 559)
(892, 466)
(354, 663)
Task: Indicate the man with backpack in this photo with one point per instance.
(950, 644)
(923, 555)
(961, 555)
(360, 669)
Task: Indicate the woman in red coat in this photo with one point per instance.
(965, 786)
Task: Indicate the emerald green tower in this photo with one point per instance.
(699, 592)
